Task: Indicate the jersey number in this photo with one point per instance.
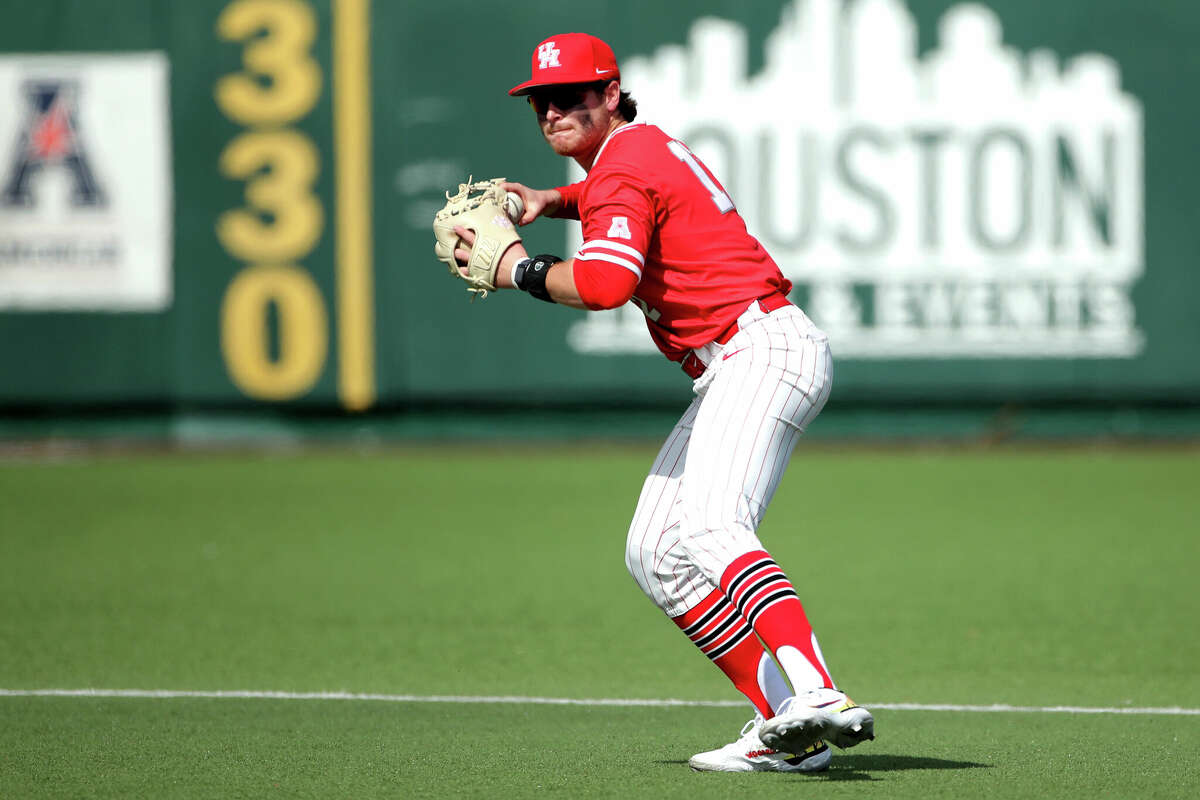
(719, 197)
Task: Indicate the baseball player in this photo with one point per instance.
(660, 230)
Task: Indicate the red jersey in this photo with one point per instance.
(650, 206)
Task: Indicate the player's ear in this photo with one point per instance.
(612, 95)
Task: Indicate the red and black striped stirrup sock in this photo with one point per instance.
(718, 630)
(766, 599)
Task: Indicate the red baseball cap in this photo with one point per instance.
(569, 58)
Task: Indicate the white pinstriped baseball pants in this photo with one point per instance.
(718, 470)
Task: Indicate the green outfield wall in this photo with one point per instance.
(227, 204)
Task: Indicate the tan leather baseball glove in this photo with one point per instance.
(490, 212)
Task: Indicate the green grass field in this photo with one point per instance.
(1034, 578)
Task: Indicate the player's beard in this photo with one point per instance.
(577, 137)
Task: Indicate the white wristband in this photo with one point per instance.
(520, 265)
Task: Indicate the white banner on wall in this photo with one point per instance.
(85, 182)
(969, 202)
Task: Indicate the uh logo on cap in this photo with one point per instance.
(548, 55)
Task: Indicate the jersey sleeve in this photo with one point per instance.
(617, 212)
(570, 201)
(603, 285)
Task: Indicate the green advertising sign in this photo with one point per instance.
(227, 204)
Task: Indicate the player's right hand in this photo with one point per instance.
(538, 202)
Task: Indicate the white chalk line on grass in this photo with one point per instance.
(566, 701)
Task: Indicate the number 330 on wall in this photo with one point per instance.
(283, 219)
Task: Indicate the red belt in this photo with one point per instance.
(694, 367)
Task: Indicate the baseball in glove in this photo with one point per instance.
(489, 211)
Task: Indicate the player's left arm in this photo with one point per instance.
(607, 268)
(590, 286)
(586, 285)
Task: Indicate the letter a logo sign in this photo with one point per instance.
(50, 139)
(548, 55)
(620, 228)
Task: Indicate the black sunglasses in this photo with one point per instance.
(564, 97)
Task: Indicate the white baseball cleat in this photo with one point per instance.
(822, 714)
(749, 754)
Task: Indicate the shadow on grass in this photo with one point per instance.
(860, 768)
(886, 763)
